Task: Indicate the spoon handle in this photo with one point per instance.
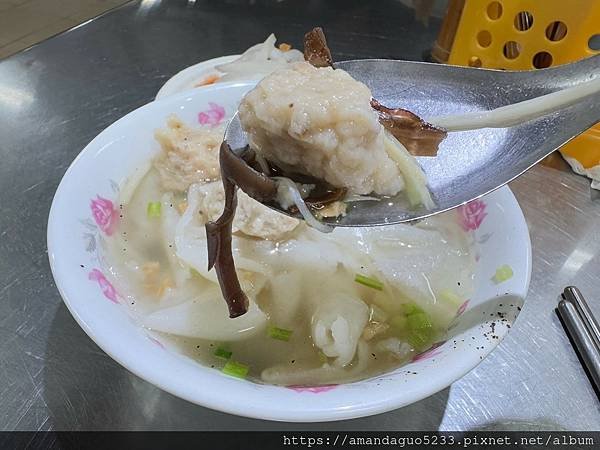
(517, 113)
(559, 77)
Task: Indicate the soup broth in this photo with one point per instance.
(324, 308)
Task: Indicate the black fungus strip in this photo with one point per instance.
(235, 173)
(220, 255)
(419, 137)
(316, 51)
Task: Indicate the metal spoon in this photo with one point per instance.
(469, 164)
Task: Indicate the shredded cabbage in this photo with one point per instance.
(414, 178)
(289, 194)
(258, 61)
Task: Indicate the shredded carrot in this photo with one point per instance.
(284, 47)
(150, 269)
(165, 284)
(211, 79)
(153, 283)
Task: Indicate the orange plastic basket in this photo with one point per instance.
(528, 34)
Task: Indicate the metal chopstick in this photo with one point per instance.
(573, 295)
(582, 339)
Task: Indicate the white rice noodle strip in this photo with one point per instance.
(191, 244)
(205, 316)
(170, 219)
(296, 197)
(360, 198)
(414, 178)
(517, 113)
(288, 376)
(133, 181)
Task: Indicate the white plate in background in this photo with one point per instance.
(188, 78)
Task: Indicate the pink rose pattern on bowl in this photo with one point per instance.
(430, 353)
(462, 308)
(472, 214)
(106, 217)
(107, 288)
(213, 116)
(313, 389)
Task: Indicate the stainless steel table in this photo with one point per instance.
(57, 96)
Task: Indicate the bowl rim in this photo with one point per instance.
(206, 397)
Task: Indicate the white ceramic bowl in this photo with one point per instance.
(84, 211)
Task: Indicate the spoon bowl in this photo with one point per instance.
(469, 164)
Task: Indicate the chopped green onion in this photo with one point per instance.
(222, 353)
(369, 282)
(235, 369)
(279, 333)
(420, 339)
(154, 209)
(418, 321)
(503, 273)
(420, 330)
(449, 296)
(411, 308)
